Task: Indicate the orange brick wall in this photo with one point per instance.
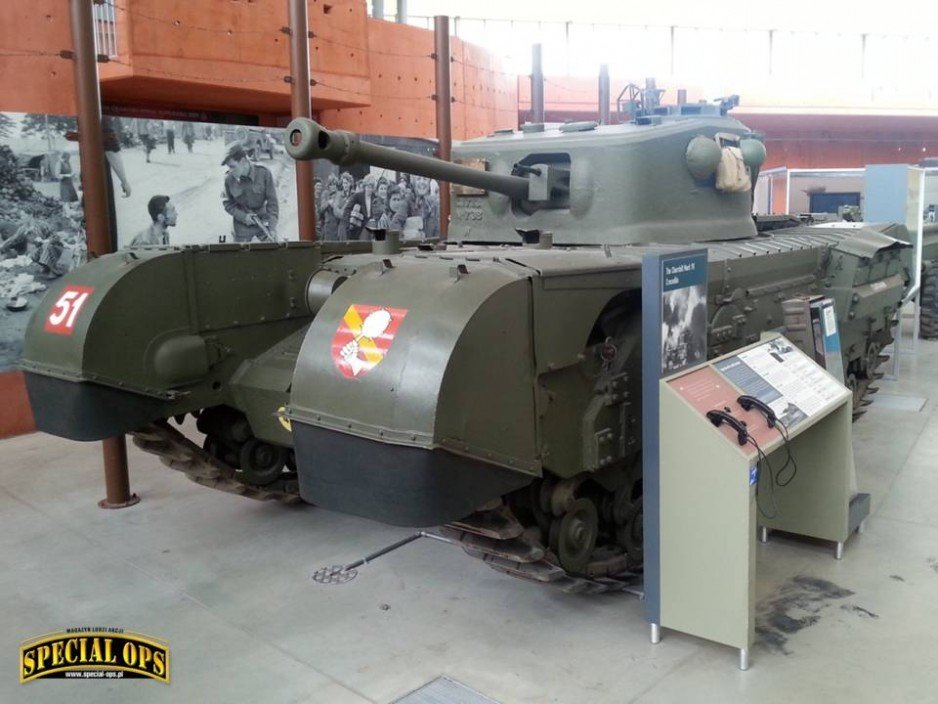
(402, 84)
(35, 83)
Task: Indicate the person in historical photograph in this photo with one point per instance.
(381, 192)
(111, 130)
(170, 138)
(163, 216)
(317, 204)
(359, 211)
(327, 211)
(395, 217)
(338, 191)
(188, 135)
(250, 197)
(67, 192)
(148, 130)
(344, 194)
(426, 206)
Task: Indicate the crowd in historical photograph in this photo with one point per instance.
(347, 209)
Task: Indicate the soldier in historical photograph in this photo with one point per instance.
(250, 197)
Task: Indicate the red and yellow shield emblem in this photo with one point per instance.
(364, 337)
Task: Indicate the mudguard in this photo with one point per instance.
(154, 332)
(434, 417)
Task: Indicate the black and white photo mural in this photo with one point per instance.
(41, 221)
(178, 183)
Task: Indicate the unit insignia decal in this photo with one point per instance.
(364, 337)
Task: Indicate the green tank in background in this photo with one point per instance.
(928, 298)
(491, 384)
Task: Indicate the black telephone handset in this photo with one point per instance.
(750, 402)
(718, 418)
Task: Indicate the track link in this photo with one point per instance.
(178, 452)
(517, 551)
(928, 299)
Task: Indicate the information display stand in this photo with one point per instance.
(717, 482)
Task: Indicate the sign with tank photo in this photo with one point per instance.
(683, 312)
(178, 182)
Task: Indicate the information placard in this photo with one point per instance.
(776, 373)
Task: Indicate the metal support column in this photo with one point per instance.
(97, 227)
(300, 106)
(401, 15)
(537, 85)
(444, 109)
(604, 94)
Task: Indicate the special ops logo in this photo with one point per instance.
(85, 653)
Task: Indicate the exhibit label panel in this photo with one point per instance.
(674, 337)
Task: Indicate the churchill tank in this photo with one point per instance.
(489, 384)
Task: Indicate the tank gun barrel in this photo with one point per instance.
(307, 139)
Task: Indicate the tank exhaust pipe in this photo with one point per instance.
(386, 242)
(604, 94)
(537, 85)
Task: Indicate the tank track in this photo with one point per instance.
(862, 374)
(929, 301)
(495, 535)
(497, 538)
(178, 452)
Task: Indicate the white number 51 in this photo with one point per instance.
(65, 310)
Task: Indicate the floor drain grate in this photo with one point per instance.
(444, 690)
(337, 574)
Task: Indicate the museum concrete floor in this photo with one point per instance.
(226, 581)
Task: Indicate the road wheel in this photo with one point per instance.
(261, 462)
(573, 536)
